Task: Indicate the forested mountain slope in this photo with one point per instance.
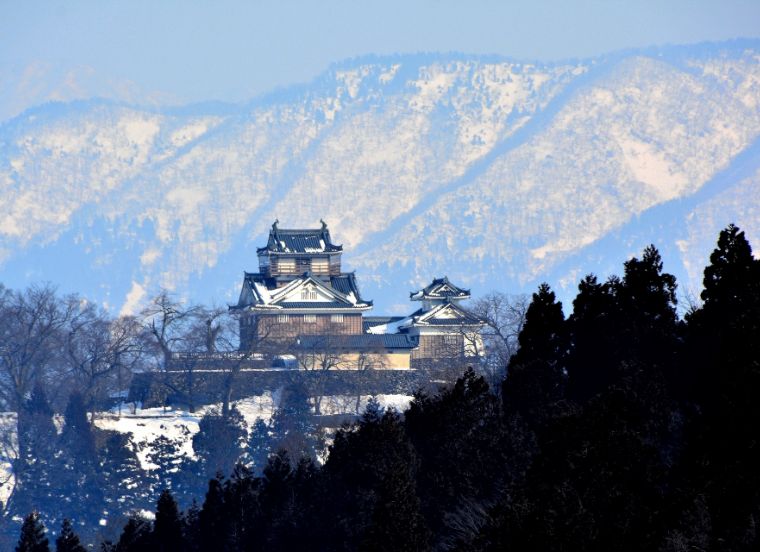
(484, 168)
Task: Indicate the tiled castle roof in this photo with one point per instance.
(309, 240)
(259, 290)
(440, 288)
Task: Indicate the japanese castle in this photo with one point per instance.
(301, 300)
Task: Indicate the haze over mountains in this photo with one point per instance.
(498, 173)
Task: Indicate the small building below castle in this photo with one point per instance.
(302, 305)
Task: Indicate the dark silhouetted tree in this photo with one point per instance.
(368, 465)
(595, 327)
(167, 528)
(124, 482)
(535, 376)
(32, 538)
(68, 541)
(136, 536)
(79, 481)
(212, 519)
(175, 470)
(446, 430)
(293, 427)
(241, 504)
(724, 353)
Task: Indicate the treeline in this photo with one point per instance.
(64, 360)
(93, 479)
(619, 427)
(66, 344)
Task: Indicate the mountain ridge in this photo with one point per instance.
(404, 160)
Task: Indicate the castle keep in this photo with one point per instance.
(302, 301)
(304, 321)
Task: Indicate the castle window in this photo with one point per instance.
(319, 266)
(282, 318)
(336, 319)
(310, 318)
(450, 339)
(287, 266)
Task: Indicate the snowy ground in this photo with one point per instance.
(346, 404)
(8, 448)
(148, 423)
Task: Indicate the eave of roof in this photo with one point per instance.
(429, 318)
(429, 291)
(356, 342)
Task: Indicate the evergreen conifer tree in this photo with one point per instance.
(446, 430)
(647, 297)
(136, 536)
(36, 464)
(241, 500)
(175, 471)
(259, 445)
(79, 481)
(32, 538)
(724, 353)
(167, 528)
(190, 527)
(212, 519)
(535, 378)
(595, 329)
(293, 427)
(732, 275)
(68, 541)
(219, 441)
(366, 466)
(397, 522)
(123, 477)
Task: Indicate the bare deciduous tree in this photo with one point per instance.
(221, 331)
(367, 363)
(504, 316)
(168, 323)
(320, 354)
(101, 352)
(31, 325)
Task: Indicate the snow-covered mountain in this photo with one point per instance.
(496, 172)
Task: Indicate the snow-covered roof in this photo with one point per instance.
(299, 240)
(385, 325)
(262, 292)
(440, 288)
(445, 314)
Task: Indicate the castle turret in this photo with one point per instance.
(439, 291)
(289, 253)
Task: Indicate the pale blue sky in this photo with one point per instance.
(228, 50)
